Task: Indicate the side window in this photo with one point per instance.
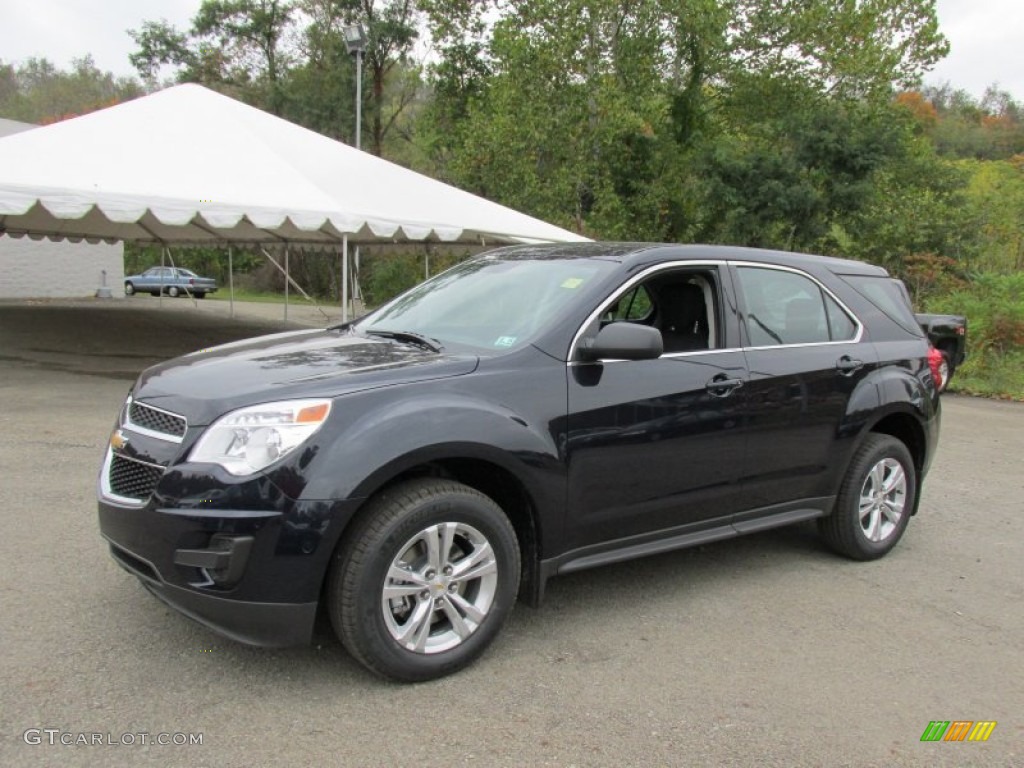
(634, 306)
(840, 326)
(788, 308)
(681, 303)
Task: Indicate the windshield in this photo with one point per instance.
(487, 302)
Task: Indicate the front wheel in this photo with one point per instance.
(425, 580)
(129, 289)
(875, 500)
(173, 291)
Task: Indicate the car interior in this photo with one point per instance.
(680, 304)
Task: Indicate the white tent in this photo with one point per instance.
(189, 166)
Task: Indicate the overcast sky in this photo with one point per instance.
(984, 35)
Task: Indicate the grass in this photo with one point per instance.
(261, 297)
(991, 375)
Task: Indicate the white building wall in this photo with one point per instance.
(45, 269)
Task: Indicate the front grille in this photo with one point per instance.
(133, 479)
(156, 420)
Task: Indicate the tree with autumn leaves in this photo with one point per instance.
(797, 124)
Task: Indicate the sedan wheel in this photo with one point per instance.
(129, 289)
(424, 580)
(875, 500)
(173, 291)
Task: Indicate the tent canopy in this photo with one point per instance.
(189, 166)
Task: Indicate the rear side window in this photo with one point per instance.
(788, 308)
(889, 295)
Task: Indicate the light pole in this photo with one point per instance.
(355, 42)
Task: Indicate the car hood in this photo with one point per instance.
(206, 384)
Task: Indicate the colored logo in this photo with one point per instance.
(958, 730)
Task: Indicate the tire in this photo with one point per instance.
(945, 371)
(432, 623)
(129, 289)
(869, 520)
(173, 292)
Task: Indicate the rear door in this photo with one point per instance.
(806, 353)
(655, 445)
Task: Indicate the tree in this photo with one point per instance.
(234, 43)
(289, 57)
(36, 91)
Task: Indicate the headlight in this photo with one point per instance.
(250, 439)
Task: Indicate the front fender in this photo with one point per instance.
(387, 438)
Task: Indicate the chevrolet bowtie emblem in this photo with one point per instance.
(118, 440)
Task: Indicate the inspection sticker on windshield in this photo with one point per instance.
(573, 282)
(505, 341)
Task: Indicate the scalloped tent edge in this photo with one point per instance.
(188, 166)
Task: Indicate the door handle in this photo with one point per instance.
(722, 386)
(847, 366)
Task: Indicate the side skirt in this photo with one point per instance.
(683, 537)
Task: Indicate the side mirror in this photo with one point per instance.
(623, 341)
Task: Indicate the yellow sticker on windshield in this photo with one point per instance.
(573, 282)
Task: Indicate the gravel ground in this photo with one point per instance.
(763, 651)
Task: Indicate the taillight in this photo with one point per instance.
(935, 363)
(961, 330)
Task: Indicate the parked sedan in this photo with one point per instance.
(174, 281)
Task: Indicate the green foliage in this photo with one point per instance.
(289, 57)
(994, 306)
(991, 128)
(36, 91)
(387, 272)
(384, 278)
(995, 201)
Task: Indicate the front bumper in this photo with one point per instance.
(253, 576)
(270, 625)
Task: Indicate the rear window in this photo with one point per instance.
(889, 295)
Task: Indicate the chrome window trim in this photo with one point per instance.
(624, 288)
(857, 338)
(717, 263)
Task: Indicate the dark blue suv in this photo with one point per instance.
(534, 411)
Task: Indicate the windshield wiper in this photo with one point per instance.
(410, 337)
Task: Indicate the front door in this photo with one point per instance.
(655, 445)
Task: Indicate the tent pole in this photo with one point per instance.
(287, 278)
(344, 278)
(163, 263)
(231, 281)
(357, 290)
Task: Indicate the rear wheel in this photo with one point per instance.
(425, 580)
(875, 500)
(129, 289)
(945, 371)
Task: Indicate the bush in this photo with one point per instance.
(994, 306)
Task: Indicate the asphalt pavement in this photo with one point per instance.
(762, 651)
